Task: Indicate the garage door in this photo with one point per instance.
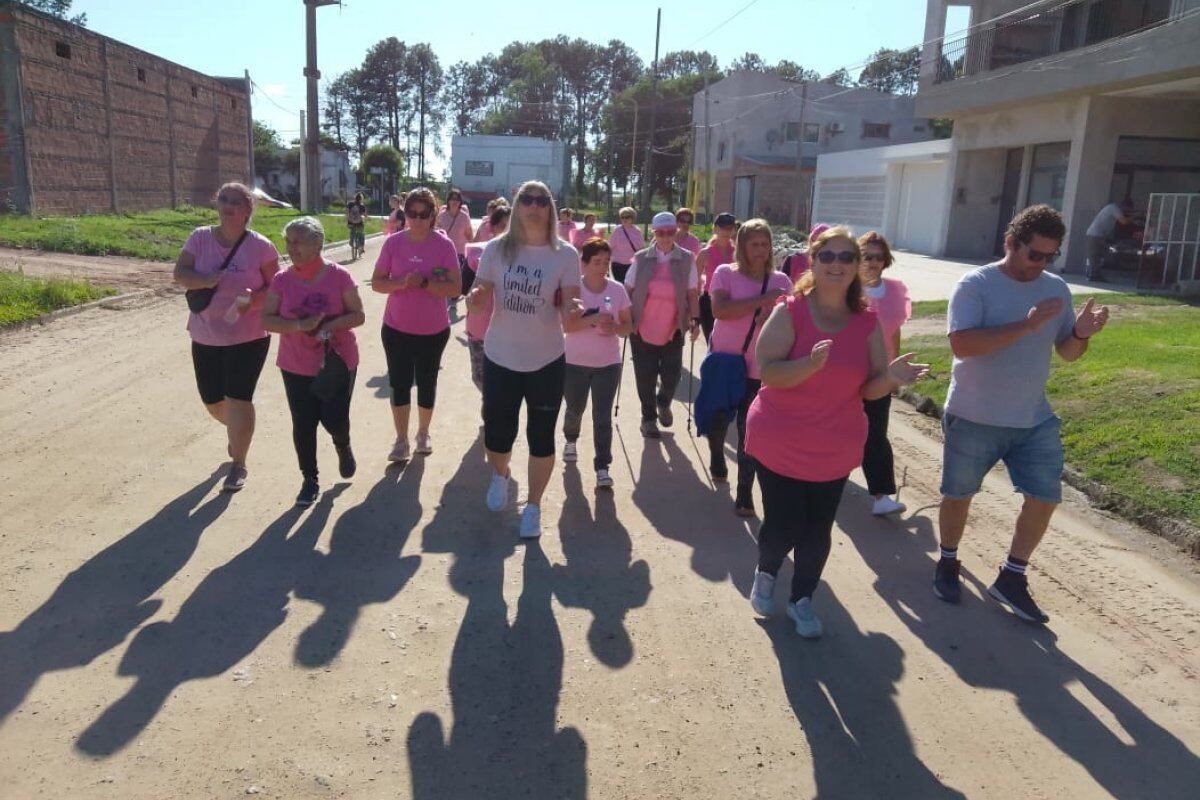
(917, 215)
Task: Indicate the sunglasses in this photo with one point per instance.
(417, 214)
(844, 256)
(869, 257)
(539, 200)
(664, 232)
(1038, 257)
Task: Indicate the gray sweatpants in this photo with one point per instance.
(602, 383)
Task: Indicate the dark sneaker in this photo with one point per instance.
(236, 479)
(347, 466)
(946, 583)
(743, 506)
(1012, 589)
(650, 429)
(308, 494)
(665, 417)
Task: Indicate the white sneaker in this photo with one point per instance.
(807, 624)
(886, 505)
(570, 453)
(531, 522)
(603, 479)
(424, 445)
(761, 593)
(497, 493)
(399, 452)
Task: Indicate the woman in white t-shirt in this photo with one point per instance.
(532, 279)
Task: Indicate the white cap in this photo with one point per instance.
(662, 220)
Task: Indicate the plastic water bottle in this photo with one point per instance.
(237, 307)
(607, 304)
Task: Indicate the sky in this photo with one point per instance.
(266, 37)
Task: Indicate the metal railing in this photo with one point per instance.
(1171, 244)
(1049, 28)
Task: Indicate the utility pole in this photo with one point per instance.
(708, 199)
(648, 172)
(304, 159)
(798, 219)
(310, 198)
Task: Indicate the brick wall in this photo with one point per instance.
(774, 190)
(104, 121)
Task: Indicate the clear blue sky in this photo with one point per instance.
(266, 37)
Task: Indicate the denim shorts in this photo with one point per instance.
(1034, 457)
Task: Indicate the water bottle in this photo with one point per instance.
(607, 304)
(236, 308)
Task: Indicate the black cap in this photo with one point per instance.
(724, 220)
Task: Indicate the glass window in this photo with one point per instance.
(1048, 178)
(812, 132)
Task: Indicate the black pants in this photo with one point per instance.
(413, 358)
(618, 272)
(503, 391)
(707, 320)
(308, 411)
(468, 274)
(797, 518)
(229, 370)
(878, 463)
(601, 382)
(653, 363)
(716, 444)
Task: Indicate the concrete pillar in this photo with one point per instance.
(935, 26)
(1094, 152)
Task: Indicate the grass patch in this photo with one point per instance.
(154, 235)
(23, 298)
(937, 308)
(1130, 406)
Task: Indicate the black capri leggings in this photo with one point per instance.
(503, 391)
(229, 370)
(798, 518)
(413, 358)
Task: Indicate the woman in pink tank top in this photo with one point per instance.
(820, 355)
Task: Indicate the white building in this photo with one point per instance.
(337, 179)
(484, 167)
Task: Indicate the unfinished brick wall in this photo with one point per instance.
(109, 127)
(774, 190)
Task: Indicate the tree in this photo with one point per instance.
(465, 96)
(893, 71)
(268, 148)
(680, 63)
(839, 77)
(751, 62)
(791, 71)
(387, 76)
(335, 109)
(425, 74)
(360, 109)
(56, 8)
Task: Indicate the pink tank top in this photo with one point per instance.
(815, 431)
(716, 257)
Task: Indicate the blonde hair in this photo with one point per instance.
(514, 236)
(751, 227)
(855, 300)
(627, 211)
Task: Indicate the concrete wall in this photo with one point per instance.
(975, 203)
(513, 159)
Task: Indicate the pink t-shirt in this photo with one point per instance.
(729, 334)
(717, 256)
(589, 347)
(247, 270)
(688, 242)
(624, 243)
(893, 309)
(484, 234)
(477, 321)
(566, 231)
(816, 430)
(457, 228)
(300, 352)
(415, 310)
(798, 265)
(581, 235)
(660, 317)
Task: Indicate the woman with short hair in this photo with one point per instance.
(625, 240)
(314, 306)
(566, 225)
(418, 269)
(684, 238)
(533, 277)
(588, 231)
(454, 220)
(395, 217)
(229, 343)
(485, 232)
(718, 251)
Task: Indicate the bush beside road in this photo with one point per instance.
(24, 298)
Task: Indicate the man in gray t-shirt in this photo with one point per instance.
(1003, 321)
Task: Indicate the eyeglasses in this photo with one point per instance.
(686, 220)
(869, 257)
(540, 200)
(844, 256)
(665, 232)
(1038, 257)
(411, 214)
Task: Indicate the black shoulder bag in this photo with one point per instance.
(199, 299)
(333, 379)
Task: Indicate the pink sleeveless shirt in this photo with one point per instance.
(816, 430)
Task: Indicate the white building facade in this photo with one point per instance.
(484, 167)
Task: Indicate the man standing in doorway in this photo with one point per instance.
(1003, 321)
(1100, 231)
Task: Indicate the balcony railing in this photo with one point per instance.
(1053, 27)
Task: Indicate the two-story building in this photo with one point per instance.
(1074, 103)
(758, 137)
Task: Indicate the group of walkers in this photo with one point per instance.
(802, 360)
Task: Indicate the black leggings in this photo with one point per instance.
(503, 391)
(229, 370)
(878, 463)
(717, 429)
(308, 411)
(797, 518)
(618, 272)
(707, 320)
(413, 358)
(653, 363)
(468, 274)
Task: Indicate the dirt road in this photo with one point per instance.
(158, 639)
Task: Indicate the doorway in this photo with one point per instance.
(1009, 194)
(743, 197)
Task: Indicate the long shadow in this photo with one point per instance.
(363, 565)
(381, 385)
(504, 680)
(598, 574)
(228, 615)
(99, 604)
(1022, 660)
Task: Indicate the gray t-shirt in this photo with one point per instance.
(1106, 221)
(1006, 387)
(526, 333)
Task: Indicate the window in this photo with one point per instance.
(62, 49)
(141, 73)
(195, 92)
(812, 132)
(876, 130)
(790, 131)
(481, 168)
(233, 102)
(720, 151)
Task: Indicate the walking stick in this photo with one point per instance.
(691, 383)
(620, 375)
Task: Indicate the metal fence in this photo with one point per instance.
(1171, 243)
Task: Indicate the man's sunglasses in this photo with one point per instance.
(844, 256)
(1038, 257)
(411, 214)
(539, 200)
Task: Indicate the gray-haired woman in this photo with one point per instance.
(313, 305)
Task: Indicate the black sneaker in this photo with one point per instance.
(308, 493)
(946, 583)
(650, 429)
(346, 463)
(665, 417)
(1012, 589)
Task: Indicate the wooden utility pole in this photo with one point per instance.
(797, 216)
(648, 173)
(708, 181)
(310, 200)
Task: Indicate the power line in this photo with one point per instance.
(731, 18)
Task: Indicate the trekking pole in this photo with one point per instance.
(691, 384)
(620, 375)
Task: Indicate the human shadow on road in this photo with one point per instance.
(363, 565)
(1022, 660)
(381, 385)
(229, 614)
(598, 574)
(504, 680)
(99, 604)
